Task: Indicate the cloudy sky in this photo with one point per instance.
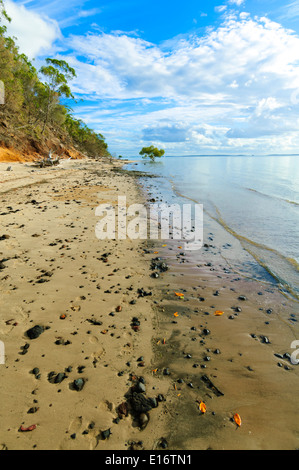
(194, 77)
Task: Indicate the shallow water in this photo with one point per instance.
(254, 199)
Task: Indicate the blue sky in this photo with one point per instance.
(194, 77)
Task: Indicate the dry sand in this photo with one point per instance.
(55, 273)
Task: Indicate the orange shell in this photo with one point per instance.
(218, 313)
(237, 419)
(202, 407)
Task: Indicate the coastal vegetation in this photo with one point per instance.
(151, 152)
(35, 108)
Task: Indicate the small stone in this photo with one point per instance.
(59, 378)
(140, 387)
(106, 434)
(33, 410)
(153, 402)
(35, 332)
(164, 444)
(265, 340)
(143, 420)
(78, 384)
(242, 297)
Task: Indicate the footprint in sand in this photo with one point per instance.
(77, 436)
(16, 316)
(93, 340)
(75, 425)
(97, 355)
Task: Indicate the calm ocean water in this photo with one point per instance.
(255, 199)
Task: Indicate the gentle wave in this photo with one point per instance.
(271, 196)
(288, 263)
(248, 244)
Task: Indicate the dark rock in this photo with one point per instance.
(78, 384)
(242, 297)
(59, 378)
(142, 293)
(140, 403)
(35, 332)
(140, 387)
(106, 434)
(153, 402)
(159, 265)
(163, 444)
(155, 275)
(33, 410)
(265, 340)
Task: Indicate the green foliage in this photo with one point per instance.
(35, 101)
(3, 13)
(152, 153)
(85, 139)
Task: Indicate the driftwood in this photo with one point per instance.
(48, 161)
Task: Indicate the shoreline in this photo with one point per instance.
(238, 362)
(55, 266)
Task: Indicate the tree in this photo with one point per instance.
(152, 152)
(35, 107)
(3, 13)
(57, 74)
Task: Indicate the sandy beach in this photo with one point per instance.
(119, 360)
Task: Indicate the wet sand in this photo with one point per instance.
(114, 368)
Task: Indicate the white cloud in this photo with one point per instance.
(238, 79)
(35, 33)
(236, 2)
(220, 8)
(290, 10)
(230, 88)
(242, 53)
